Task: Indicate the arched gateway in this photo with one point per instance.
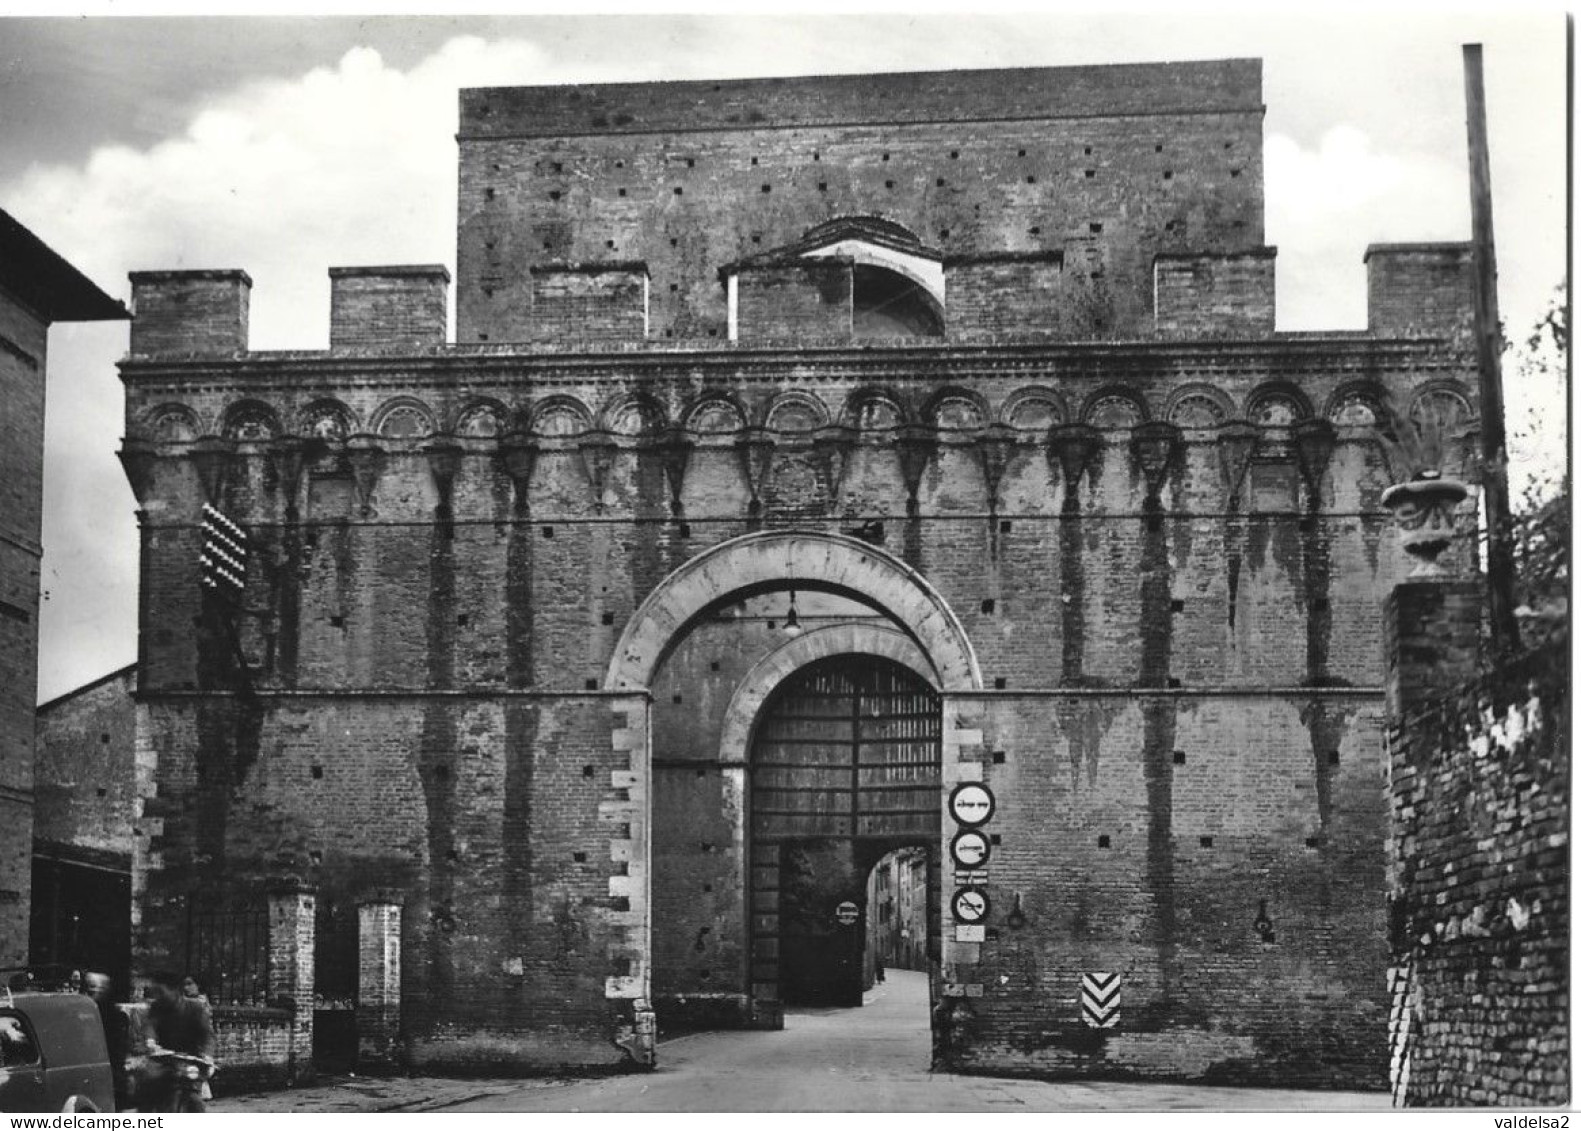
(782, 559)
(844, 769)
(768, 810)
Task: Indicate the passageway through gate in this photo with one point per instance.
(845, 769)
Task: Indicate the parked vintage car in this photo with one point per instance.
(52, 1053)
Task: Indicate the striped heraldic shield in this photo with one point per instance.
(222, 561)
(1100, 1000)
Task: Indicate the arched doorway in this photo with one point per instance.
(845, 768)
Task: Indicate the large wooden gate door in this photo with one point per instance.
(845, 767)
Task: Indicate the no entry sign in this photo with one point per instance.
(970, 849)
(847, 913)
(971, 804)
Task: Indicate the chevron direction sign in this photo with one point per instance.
(222, 562)
(1100, 1000)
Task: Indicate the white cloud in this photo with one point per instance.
(349, 165)
(1325, 205)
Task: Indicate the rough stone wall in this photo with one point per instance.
(1479, 878)
(83, 768)
(23, 337)
(1106, 164)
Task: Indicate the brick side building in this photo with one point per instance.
(37, 288)
(83, 785)
(808, 448)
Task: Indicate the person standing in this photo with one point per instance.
(117, 1031)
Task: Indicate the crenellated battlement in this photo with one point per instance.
(820, 298)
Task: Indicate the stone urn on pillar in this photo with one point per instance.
(1423, 498)
(1424, 509)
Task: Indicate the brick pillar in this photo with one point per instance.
(378, 984)
(961, 975)
(292, 909)
(630, 851)
(1432, 630)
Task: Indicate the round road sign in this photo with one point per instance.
(970, 849)
(969, 905)
(971, 804)
(847, 913)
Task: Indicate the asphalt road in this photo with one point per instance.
(869, 1059)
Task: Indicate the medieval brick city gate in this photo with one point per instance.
(516, 596)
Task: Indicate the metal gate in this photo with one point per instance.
(335, 985)
(845, 768)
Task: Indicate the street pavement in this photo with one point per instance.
(869, 1059)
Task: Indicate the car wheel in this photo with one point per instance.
(75, 1105)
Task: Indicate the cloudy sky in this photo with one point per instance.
(287, 146)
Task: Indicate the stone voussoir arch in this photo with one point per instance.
(833, 640)
(805, 559)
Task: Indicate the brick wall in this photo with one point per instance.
(253, 1046)
(807, 299)
(22, 355)
(83, 768)
(1012, 293)
(1215, 295)
(1419, 289)
(1109, 163)
(1136, 846)
(1479, 884)
(1174, 614)
(402, 678)
(590, 302)
(389, 307)
(190, 312)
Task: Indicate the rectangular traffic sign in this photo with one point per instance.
(970, 932)
(1100, 1000)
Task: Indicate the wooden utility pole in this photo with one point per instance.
(1495, 476)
